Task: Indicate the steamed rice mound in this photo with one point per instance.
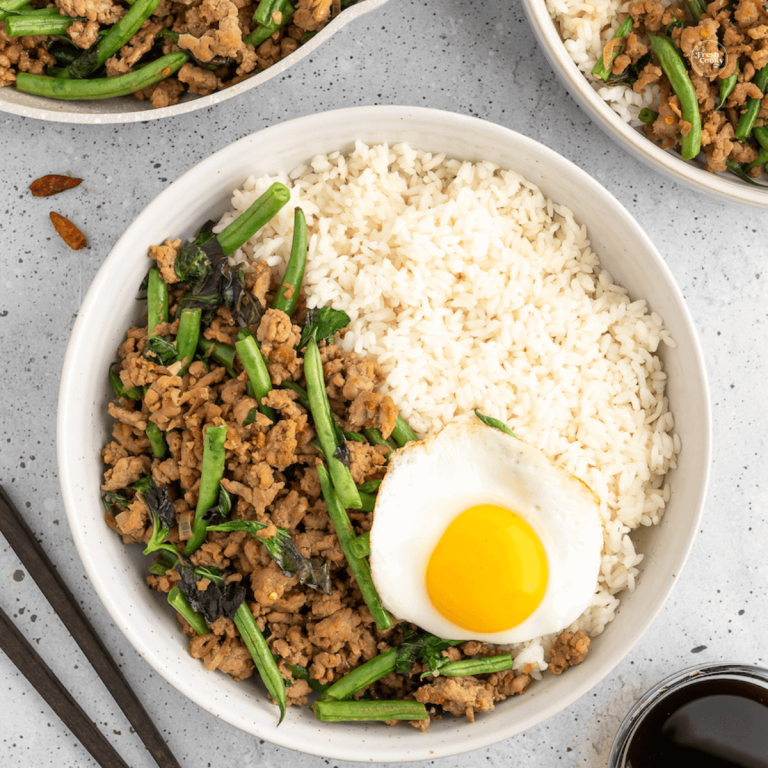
(474, 290)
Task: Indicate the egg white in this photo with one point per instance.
(430, 483)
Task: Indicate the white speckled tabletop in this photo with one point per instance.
(476, 58)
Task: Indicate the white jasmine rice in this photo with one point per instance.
(474, 290)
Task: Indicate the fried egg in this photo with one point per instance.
(479, 536)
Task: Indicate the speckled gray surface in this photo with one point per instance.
(457, 55)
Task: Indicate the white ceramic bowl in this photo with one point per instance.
(127, 109)
(117, 572)
(690, 172)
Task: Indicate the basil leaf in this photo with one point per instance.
(219, 513)
(322, 323)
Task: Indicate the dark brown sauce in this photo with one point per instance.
(713, 723)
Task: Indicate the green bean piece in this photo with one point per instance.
(101, 88)
(760, 132)
(263, 32)
(187, 337)
(118, 36)
(9, 6)
(727, 86)
(355, 437)
(265, 10)
(647, 116)
(195, 620)
(362, 676)
(323, 418)
(261, 655)
(156, 440)
(157, 301)
(359, 567)
(761, 159)
(221, 353)
(251, 221)
(120, 390)
(303, 396)
(742, 174)
(477, 666)
(370, 486)
(342, 711)
(495, 423)
(29, 11)
(375, 437)
(600, 70)
(697, 8)
(18, 26)
(294, 272)
(256, 368)
(402, 433)
(674, 68)
(210, 480)
(747, 119)
(360, 546)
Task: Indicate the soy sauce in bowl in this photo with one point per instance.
(714, 716)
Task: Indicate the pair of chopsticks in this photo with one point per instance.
(29, 663)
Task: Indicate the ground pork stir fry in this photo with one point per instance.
(280, 571)
(217, 43)
(710, 64)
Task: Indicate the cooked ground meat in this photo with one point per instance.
(741, 29)
(213, 31)
(270, 472)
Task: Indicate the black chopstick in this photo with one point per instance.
(29, 663)
(31, 554)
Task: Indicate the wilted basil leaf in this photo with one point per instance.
(143, 484)
(219, 513)
(216, 600)
(421, 646)
(160, 349)
(160, 505)
(489, 421)
(322, 323)
(253, 414)
(310, 571)
(111, 497)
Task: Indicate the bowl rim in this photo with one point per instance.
(56, 114)
(684, 171)
(89, 313)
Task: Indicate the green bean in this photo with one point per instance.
(477, 666)
(600, 70)
(303, 396)
(248, 223)
(360, 546)
(760, 132)
(210, 479)
(355, 437)
(29, 11)
(294, 272)
(19, 26)
(495, 423)
(402, 433)
(156, 440)
(761, 159)
(187, 337)
(221, 353)
(101, 88)
(375, 437)
(265, 10)
(370, 486)
(195, 620)
(261, 655)
(647, 116)
(323, 418)
(120, 390)
(9, 6)
(263, 32)
(747, 119)
(342, 711)
(359, 567)
(256, 368)
(118, 36)
(727, 85)
(361, 677)
(697, 8)
(674, 68)
(157, 301)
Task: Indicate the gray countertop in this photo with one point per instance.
(460, 55)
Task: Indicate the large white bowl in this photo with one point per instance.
(127, 109)
(690, 172)
(117, 572)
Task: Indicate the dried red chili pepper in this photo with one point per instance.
(52, 184)
(69, 233)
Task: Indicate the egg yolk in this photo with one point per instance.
(488, 572)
